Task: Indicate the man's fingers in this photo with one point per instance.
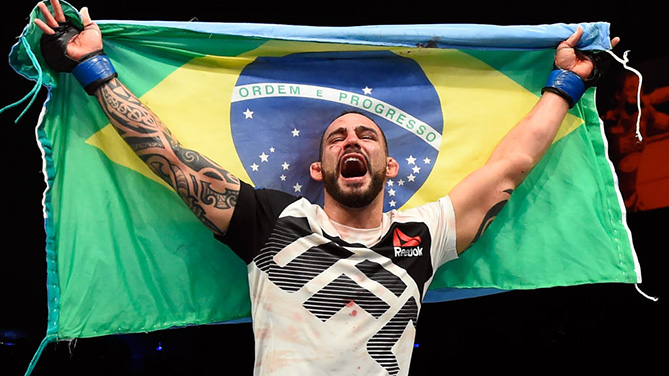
(52, 20)
(85, 17)
(47, 16)
(614, 41)
(44, 27)
(574, 38)
(57, 11)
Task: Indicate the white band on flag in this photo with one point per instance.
(362, 102)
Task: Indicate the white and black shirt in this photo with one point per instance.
(328, 299)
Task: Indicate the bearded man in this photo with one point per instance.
(335, 290)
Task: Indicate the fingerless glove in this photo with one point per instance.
(92, 71)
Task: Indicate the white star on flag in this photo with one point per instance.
(297, 187)
(367, 90)
(285, 165)
(411, 160)
(254, 167)
(296, 132)
(248, 114)
(263, 157)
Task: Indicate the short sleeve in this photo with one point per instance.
(254, 217)
(439, 216)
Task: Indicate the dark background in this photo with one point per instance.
(604, 327)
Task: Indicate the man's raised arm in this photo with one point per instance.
(479, 197)
(207, 189)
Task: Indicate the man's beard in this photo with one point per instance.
(356, 198)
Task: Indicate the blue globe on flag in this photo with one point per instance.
(282, 105)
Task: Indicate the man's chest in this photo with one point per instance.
(298, 256)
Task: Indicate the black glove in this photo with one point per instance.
(92, 70)
(600, 63)
(54, 47)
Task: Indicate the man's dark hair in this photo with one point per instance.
(320, 146)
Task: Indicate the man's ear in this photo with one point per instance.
(392, 168)
(316, 171)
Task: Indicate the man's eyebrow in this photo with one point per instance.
(358, 129)
(338, 131)
(362, 128)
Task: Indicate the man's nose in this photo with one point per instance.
(352, 141)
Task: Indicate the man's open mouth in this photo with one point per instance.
(352, 166)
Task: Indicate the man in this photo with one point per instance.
(335, 290)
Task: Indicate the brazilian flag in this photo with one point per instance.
(126, 256)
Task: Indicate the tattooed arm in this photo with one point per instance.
(479, 197)
(207, 189)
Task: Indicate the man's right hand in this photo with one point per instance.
(88, 41)
(208, 190)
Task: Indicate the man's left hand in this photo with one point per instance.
(567, 57)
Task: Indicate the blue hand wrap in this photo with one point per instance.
(93, 72)
(566, 84)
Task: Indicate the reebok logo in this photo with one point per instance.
(406, 246)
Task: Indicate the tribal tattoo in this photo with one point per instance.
(490, 216)
(192, 175)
